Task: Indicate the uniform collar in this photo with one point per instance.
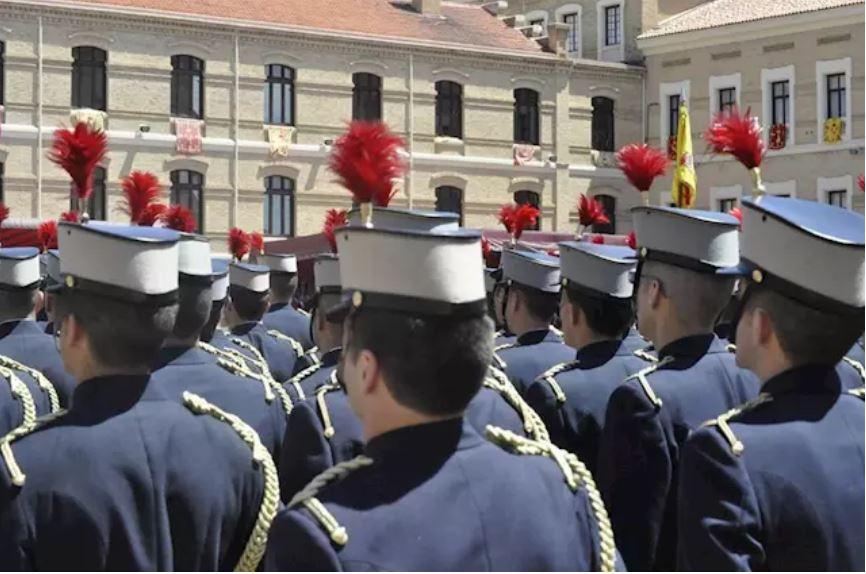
(331, 358)
(597, 354)
(537, 336)
(245, 328)
(809, 379)
(277, 307)
(105, 396)
(20, 327)
(694, 346)
(181, 356)
(429, 441)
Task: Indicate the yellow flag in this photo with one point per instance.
(685, 186)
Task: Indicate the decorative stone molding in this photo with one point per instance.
(603, 158)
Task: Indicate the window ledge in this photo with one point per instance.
(448, 144)
(96, 119)
(603, 158)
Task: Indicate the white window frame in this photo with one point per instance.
(724, 192)
(601, 26)
(824, 68)
(720, 83)
(539, 14)
(826, 184)
(568, 10)
(781, 187)
(667, 89)
(768, 76)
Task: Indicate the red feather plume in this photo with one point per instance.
(506, 216)
(46, 233)
(4, 212)
(738, 135)
(366, 161)
(631, 240)
(152, 213)
(239, 243)
(598, 239)
(257, 242)
(861, 183)
(524, 217)
(179, 218)
(334, 219)
(79, 151)
(485, 248)
(590, 211)
(140, 189)
(71, 216)
(641, 164)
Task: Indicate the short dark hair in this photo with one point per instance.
(605, 315)
(807, 335)
(122, 335)
(213, 321)
(283, 285)
(541, 304)
(194, 307)
(17, 303)
(433, 365)
(250, 305)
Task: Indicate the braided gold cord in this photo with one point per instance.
(265, 376)
(255, 547)
(328, 428)
(857, 367)
(46, 385)
(28, 422)
(576, 475)
(296, 346)
(532, 423)
(259, 359)
(233, 365)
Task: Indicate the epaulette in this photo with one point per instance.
(859, 392)
(857, 367)
(312, 355)
(498, 381)
(548, 377)
(501, 364)
(296, 380)
(641, 375)
(576, 475)
(731, 348)
(42, 381)
(255, 546)
(645, 355)
(556, 331)
(327, 427)
(722, 421)
(303, 312)
(30, 424)
(297, 347)
(307, 497)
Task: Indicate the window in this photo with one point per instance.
(836, 95)
(279, 95)
(524, 197)
(612, 16)
(450, 199)
(366, 97)
(526, 116)
(780, 97)
(608, 202)
(837, 197)
(95, 204)
(572, 43)
(727, 204)
(602, 124)
(449, 109)
(279, 205)
(187, 87)
(88, 78)
(673, 114)
(537, 22)
(187, 189)
(2, 73)
(727, 99)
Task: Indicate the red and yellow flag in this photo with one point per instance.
(685, 186)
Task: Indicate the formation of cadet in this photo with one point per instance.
(700, 409)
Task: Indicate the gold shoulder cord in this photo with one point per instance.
(41, 380)
(857, 367)
(641, 375)
(532, 423)
(327, 427)
(307, 497)
(859, 392)
(645, 355)
(731, 348)
(722, 421)
(255, 547)
(297, 347)
(576, 475)
(556, 331)
(500, 363)
(296, 380)
(548, 377)
(257, 357)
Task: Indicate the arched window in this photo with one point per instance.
(602, 124)
(187, 87)
(523, 197)
(279, 205)
(609, 204)
(88, 78)
(449, 109)
(450, 199)
(366, 97)
(95, 204)
(187, 189)
(526, 116)
(280, 95)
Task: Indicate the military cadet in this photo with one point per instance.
(596, 312)
(281, 316)
(778, 483)
(679, 295)
(50, 280)
(23, 342)
(496, 290)
(246, 305)
(531, 300)
(430, 493)
(121, 481)
(212, 331)
(184, 365)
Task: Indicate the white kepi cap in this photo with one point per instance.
(52, 267)
(279, 262)
(250, 276)
(219, 289)
(19, 267)
(537, 270)
(600, 270)
(326, 271)
(193, 252)
(408, 219)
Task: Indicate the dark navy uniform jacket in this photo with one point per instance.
(290, 322)
(440, 497)
(647, 422)
(503, 338)
(856, 352)
(793, 498)
(307, 380)
(180, 369)
(26, 342)
(532, 354)
(324, 431)
(573, 407)
(122, 482)
(280, 357)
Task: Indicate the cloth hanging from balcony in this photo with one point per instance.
(524, 153)
(778, 136)
(189, 135)
(280, 140)
(834, 129)
(94, 119)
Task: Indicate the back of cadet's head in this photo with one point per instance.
(249, 305)
(696, 298)
(194, 309)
